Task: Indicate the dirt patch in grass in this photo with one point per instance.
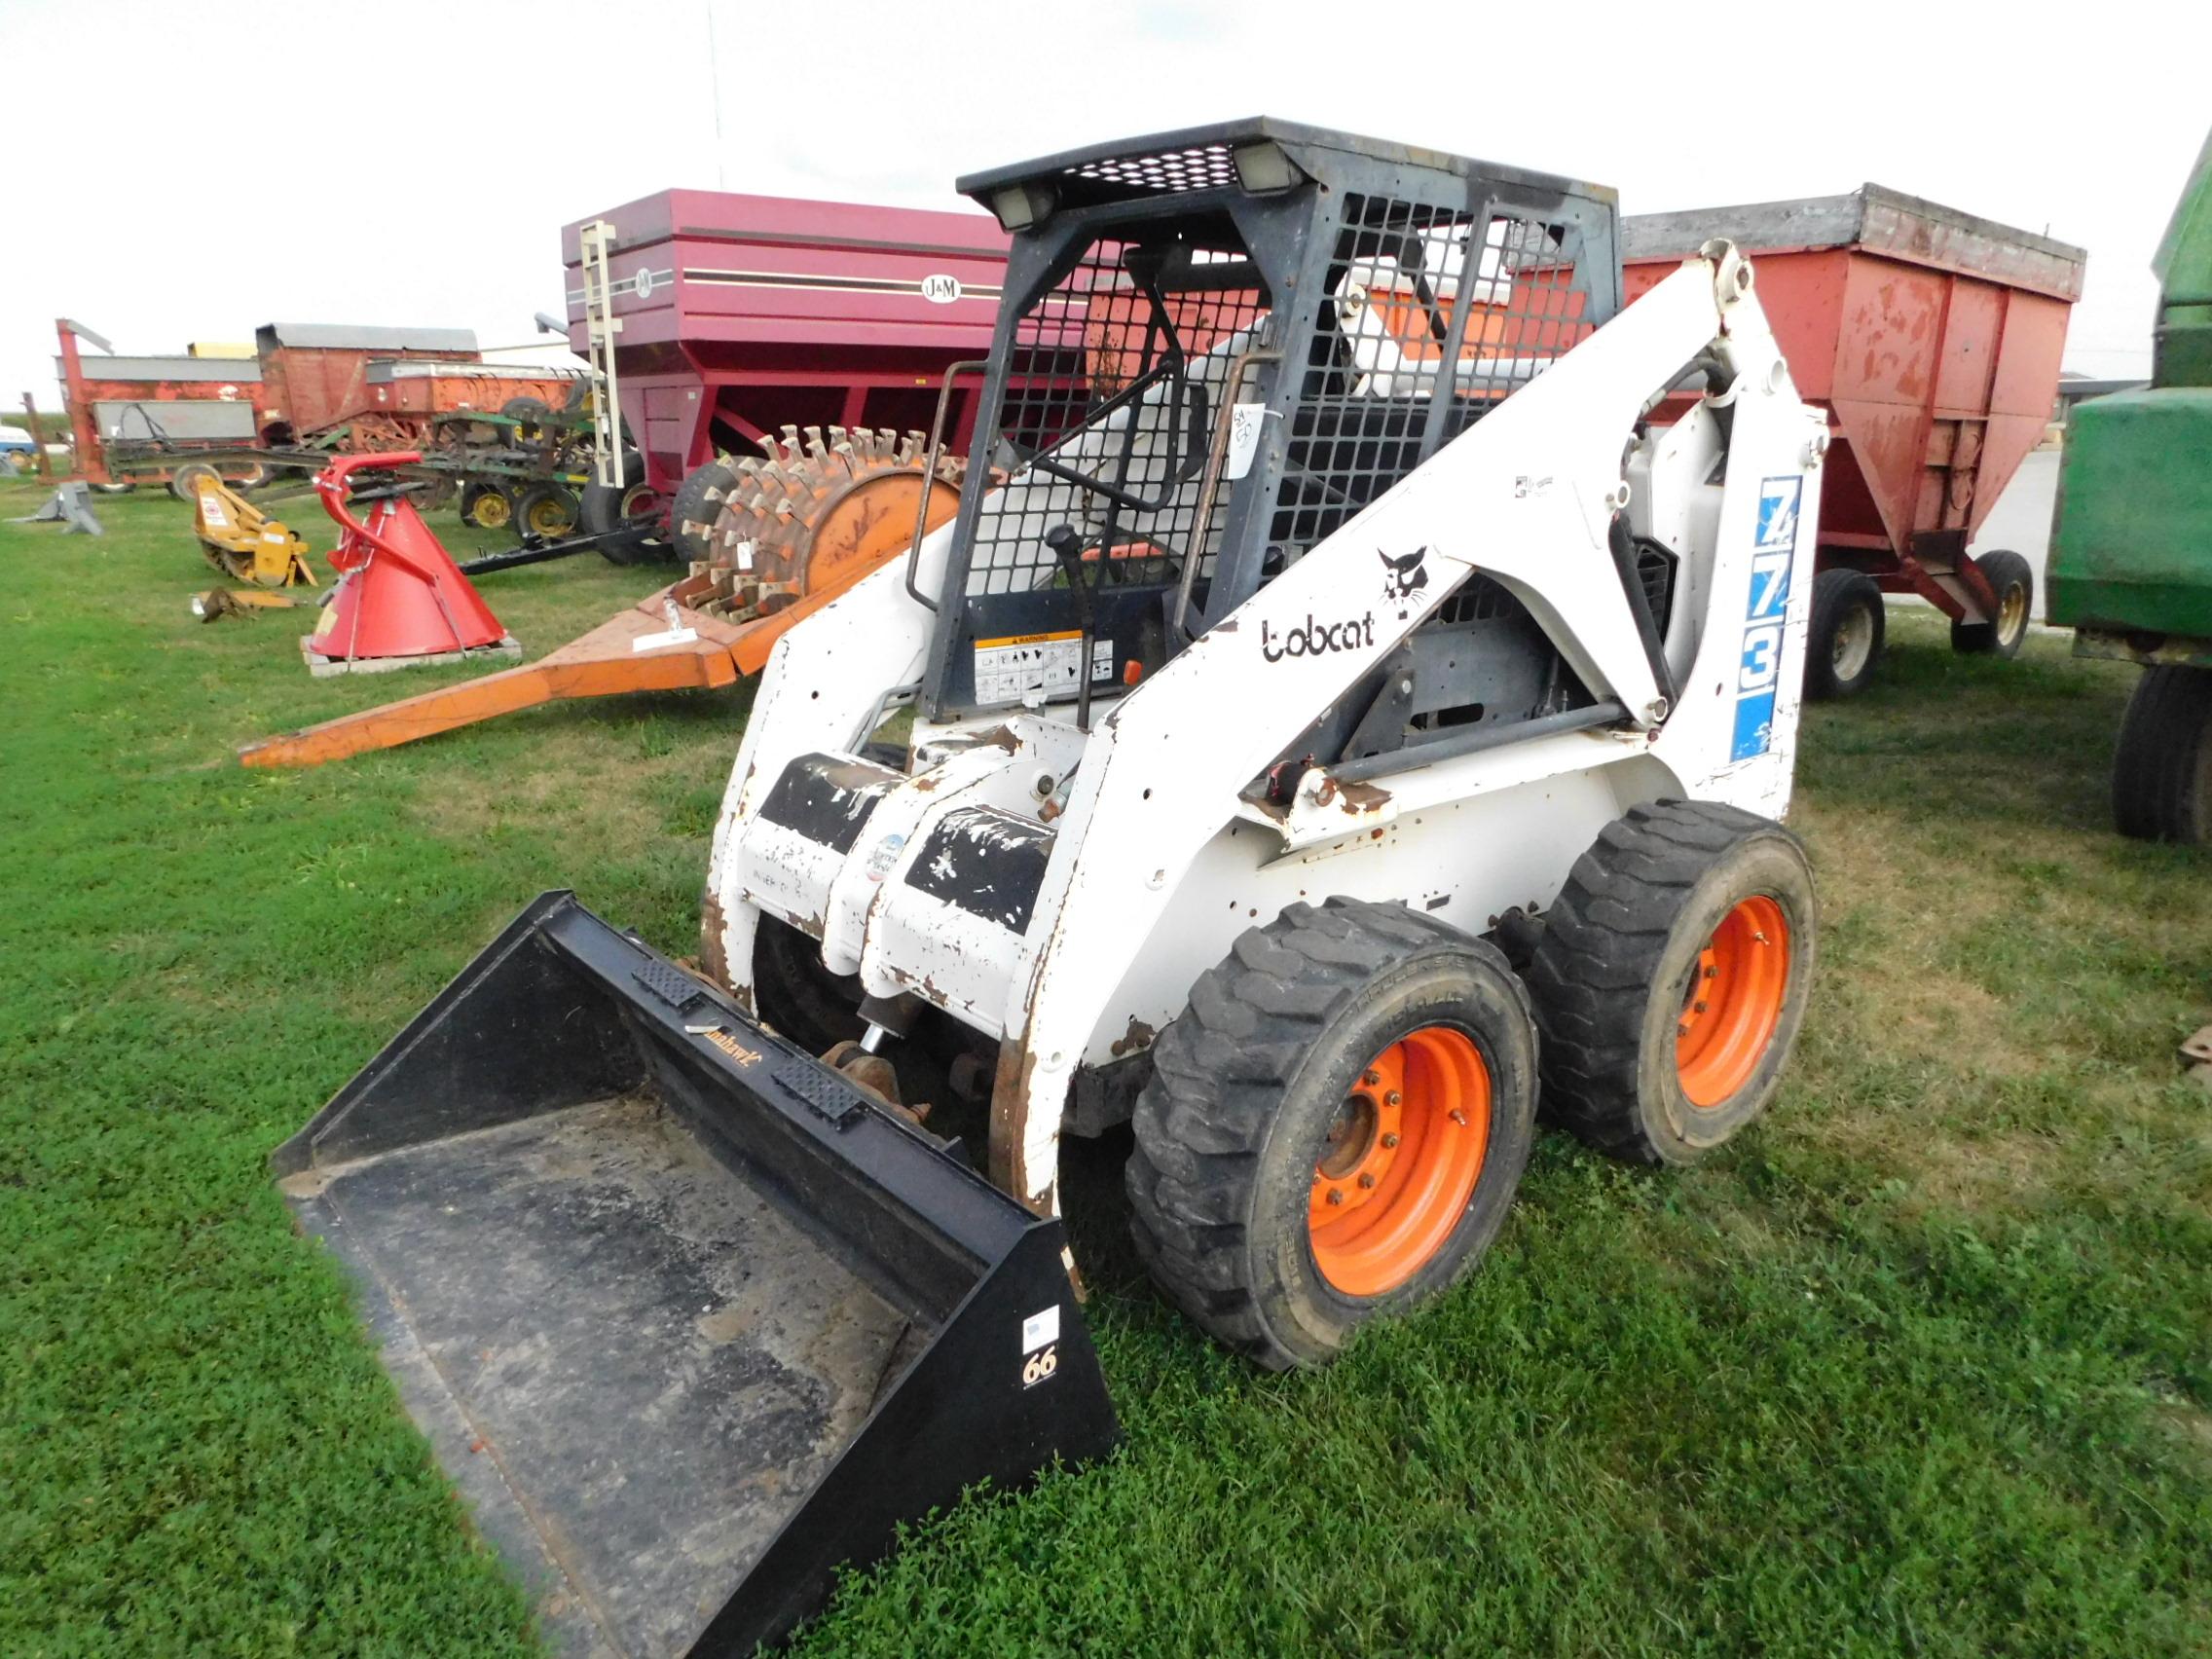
(573, 779)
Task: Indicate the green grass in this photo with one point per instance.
(1923, 1364)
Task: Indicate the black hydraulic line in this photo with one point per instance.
(1623, 548)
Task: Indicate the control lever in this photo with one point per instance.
(1066, 545)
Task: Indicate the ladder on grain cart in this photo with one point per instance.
(601, 326)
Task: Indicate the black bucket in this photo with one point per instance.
(689, 1319)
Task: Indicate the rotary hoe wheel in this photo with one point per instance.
(810, 513)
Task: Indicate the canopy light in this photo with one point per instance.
(1024, 206)
(1265, 169)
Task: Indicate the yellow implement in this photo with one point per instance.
(242, 541)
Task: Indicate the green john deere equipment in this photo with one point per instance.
(2131, 555)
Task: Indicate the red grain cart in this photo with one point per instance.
(407, 396)
(740, 315)
(181, 407)
(315, 376)
(1933, 339)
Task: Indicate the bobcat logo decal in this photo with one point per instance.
(1403, 577)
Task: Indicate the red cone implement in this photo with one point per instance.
(400, 600)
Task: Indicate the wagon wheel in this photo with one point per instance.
(814, 511)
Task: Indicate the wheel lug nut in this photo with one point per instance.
(1712, 973)
(1683, 1029)
(1372, 1079)
(1389, 1140)
(1367, 1180)
(1336, 1195)
(1459, 1117)
(1699, 1007)
(1393, 1098)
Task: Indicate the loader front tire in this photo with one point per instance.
(1334, 1128)
(796, 992)
(1672, 978)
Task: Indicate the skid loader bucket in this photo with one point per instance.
(689, 1319)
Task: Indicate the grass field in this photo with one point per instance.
(1922, 1364)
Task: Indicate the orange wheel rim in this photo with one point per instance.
(1400, 1162)
(1733, 1002)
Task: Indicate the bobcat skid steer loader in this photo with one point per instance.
(1335, 715)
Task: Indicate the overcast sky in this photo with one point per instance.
(188, 171)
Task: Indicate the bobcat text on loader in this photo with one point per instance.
(1334, 717)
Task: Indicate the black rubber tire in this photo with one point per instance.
(1244, 1084)
(1613, 970)
(2161, 773)
(474, 493)
(184, 482)
(532, 412)
(691, 506)
(598, 510)
(797, 994)
(1841, 597)
(543, 499)
(2008, 574)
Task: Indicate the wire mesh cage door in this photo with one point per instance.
(1111, 396)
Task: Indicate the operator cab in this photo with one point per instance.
(1215, 348)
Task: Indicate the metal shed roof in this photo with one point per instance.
(348, 337)
(241, 371)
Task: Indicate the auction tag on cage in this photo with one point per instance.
(1245, 424)
(1010, 669)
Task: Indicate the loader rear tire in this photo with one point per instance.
(1363, 1050)
(1672, 978)
(2014, 582)
(1843, 644)
(2161, 774)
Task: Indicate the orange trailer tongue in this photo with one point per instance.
(620, 656)
(810, 527)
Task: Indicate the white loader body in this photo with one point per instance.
(1158, 860)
